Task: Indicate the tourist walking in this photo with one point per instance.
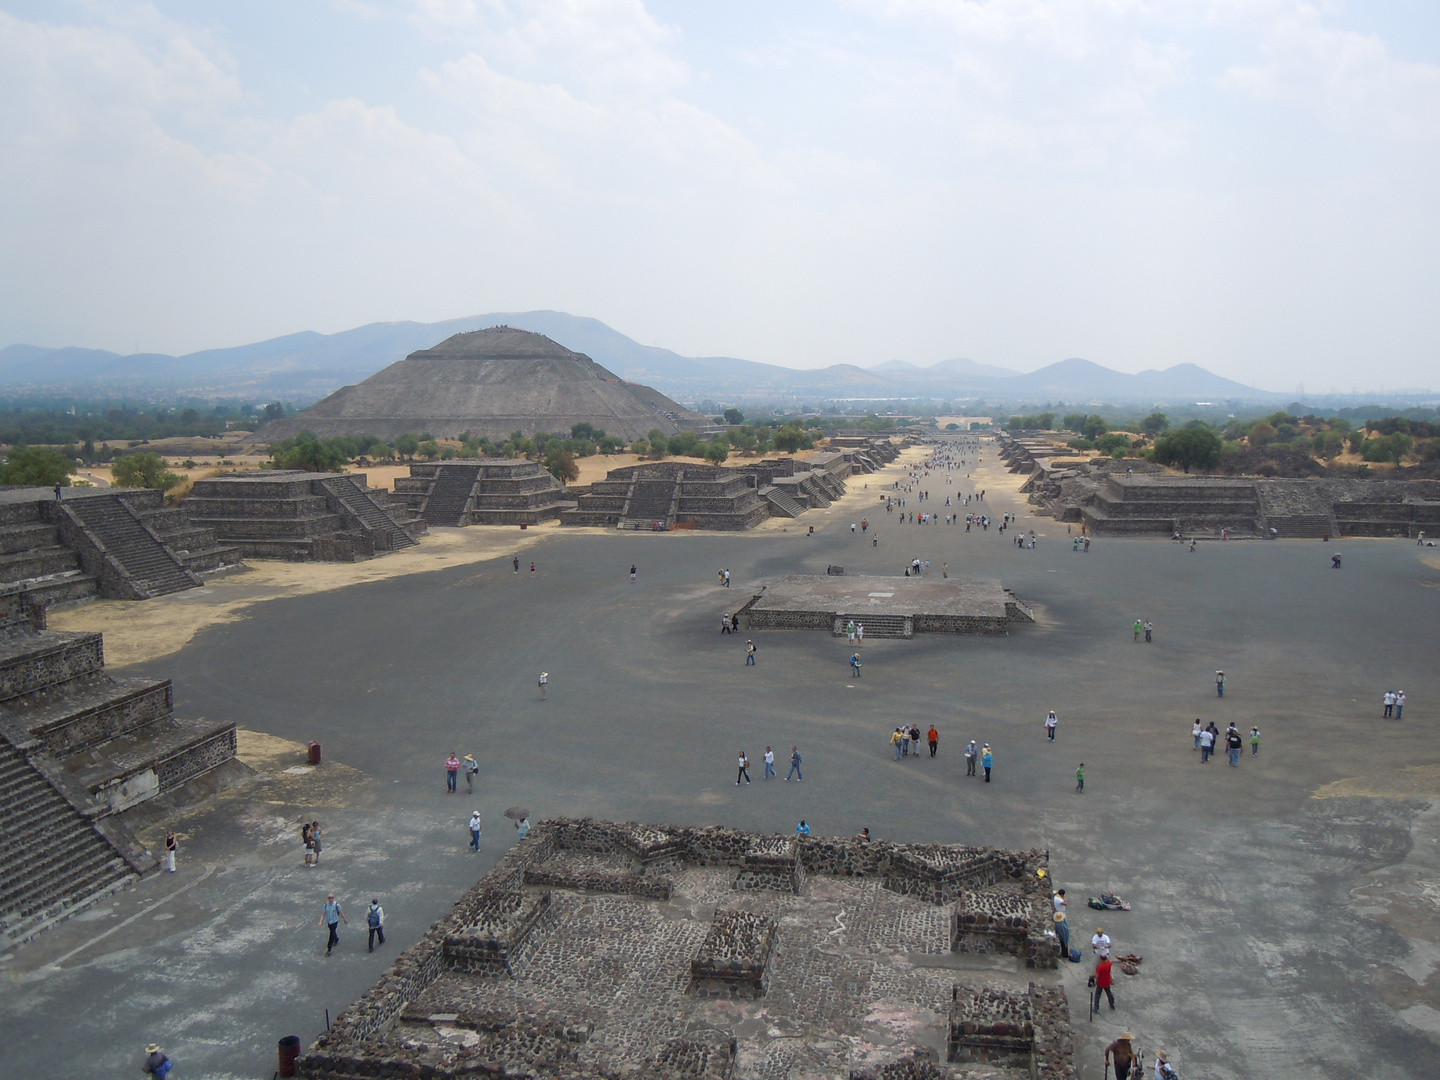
(1233, 743)
(156, 1063)
(1219, 684)
(633, 571)
(987, 760)
(316, 844)
(1399, 704)
(895, 742)
(1080, 778)
(860, 635)
(472, 769)
(1051, 723)
(331, 918)
(725, 623)
(543, 683)
(802, 829)
(933, 737)
(1138, 627)
(1389, 702)
(855, 664)
(1207, 745)
(1163, 1069)
(171, 846)
(850, 631)
(309, 843)
(904, 741)
(1123, 1054)
(749, 652)
(1197, 731)
(532, 569)
(744, 771)
(516, 564)
(452, 771)
(375, 922)
(1149, 628)
(1254, 742)
(769, 764)
(972, 755)
(1103, 972)
(794, 765)
(727, 579)
(475, 830)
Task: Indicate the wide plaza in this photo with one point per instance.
(1286, 909)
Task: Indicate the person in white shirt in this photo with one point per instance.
(1059, 899)
(1051, 723)
(1100, 943)
(769, 763)
(1197, 731)
(1399, 704)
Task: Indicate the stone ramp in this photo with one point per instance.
(450, 495)
(144, 563)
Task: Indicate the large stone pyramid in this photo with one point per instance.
(491, 382)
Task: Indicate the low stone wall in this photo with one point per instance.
(199, 757)
(991, 1027)
(731, 961)
(597, 879)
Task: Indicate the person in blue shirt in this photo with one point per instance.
(987, 759)
(794, 764)
(332, 918)
(802, 829)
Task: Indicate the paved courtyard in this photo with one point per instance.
(1288, 910)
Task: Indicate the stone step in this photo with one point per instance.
(781, 504)
(36, 563)
(32, 661)
(89, 711)
(143, 558)
(27, 536)
(372, 517)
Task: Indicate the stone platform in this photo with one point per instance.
(886, 606)
(590, 976)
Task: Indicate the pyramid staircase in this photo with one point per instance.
(450, 495)
(144, 563)
(781, 504)
(77, 748)
(653, 500)
(365, 513)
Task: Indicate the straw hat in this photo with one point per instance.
(153, 1048)
(1162, 1055)
(1127, 1037)
(1059, 916)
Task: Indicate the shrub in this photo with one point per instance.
(717, 452)
(306, 451)
(1193, 446)
(561, 465)
(734, 416)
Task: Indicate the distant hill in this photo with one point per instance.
(307, 366)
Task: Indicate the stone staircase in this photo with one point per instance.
(34, 562)
(781, 504)
(52, 861)
(1301, 526)
(364, 513)
(652, 499)
(450, 495)
(151, 567)
(876, 625)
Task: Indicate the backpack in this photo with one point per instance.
(373, 918)
(1075, 956)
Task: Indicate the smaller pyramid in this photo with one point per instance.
(491, 383)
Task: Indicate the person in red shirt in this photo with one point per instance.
(1102, 982)
(934, 737)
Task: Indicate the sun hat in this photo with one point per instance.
(1125, 1035)
(1059, 916)
(153, 1048)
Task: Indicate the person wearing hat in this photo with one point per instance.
(156, 1063)
(1163, 1069)
(472, 770)
(544, 675)
(1123, 1054)
(331, 918)
(1219, 684)
(1062, 933)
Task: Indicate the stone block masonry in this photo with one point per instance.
(697, 973)
(887, 607)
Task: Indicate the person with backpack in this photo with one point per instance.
(855, 664)
(749, 652)
(1233, 743)
(156, 1063)
(472, 770)
(375, 920)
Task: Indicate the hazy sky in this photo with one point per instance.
(1251, 185)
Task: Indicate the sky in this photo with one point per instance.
(1249, 185)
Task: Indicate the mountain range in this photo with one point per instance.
(306, 366)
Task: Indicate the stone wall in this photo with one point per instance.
(731, 961)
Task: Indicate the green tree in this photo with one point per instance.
(306, 451)
(429, 449)
(1075, 422)
(561, 465)
(35, 466)
(143, 471)
(1194, 446)
(381, 452)
(717, 452)
(793, 437)
(734, 416)
(1095, 426)
(1262, 434)
(1154, 424)
(406, 445)
(273, 411)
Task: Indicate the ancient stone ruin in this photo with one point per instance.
(1121, 496)
(604, 950)
(120, 544)
(490, 383)
(495, 491)
(886, 606)
(78, 749)
(297, 515)
(670, 494)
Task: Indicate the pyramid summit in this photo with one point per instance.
(490, 383)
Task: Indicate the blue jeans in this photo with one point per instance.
(750, 659)
(769, 770)
(794, 771)
(475, 839)
(1219, 689)
(450, 775)
(1235, 756)
(904, 747)
(1399, 711)
(897, 751)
